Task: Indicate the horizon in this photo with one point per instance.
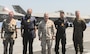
(41, 6)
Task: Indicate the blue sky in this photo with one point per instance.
(51, 5)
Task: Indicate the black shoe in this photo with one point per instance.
(56, 52)
(63, 53)
(76, 52)
(81, 53)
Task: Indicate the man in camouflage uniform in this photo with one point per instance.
(9, 28)
(46, 33)
(79, 27)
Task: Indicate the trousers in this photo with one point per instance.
(63, 43)
(45, 43)
(9, 41)
(27, 41)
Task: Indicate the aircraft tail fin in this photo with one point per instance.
(18, 9)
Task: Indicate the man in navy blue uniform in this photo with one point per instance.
(61, 25)
(28, 29)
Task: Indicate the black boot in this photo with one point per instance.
(81, 53)
(57, 52)
(76, 52)
(63, 53)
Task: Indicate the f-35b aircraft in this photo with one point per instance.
(53, 16)
(19, 13)
(4, 14)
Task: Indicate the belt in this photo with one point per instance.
(9, 32)
(29, 29)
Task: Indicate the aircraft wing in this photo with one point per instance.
(18, 9)
(53, 16)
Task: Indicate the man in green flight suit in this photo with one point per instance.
(79, 27)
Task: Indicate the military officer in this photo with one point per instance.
(46, 33)
(9, 29)
(28, 31)
(79, 27)
(61, 25)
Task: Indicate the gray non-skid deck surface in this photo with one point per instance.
(18, 47)
(70, 49)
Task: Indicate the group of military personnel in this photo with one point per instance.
(47, 31)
